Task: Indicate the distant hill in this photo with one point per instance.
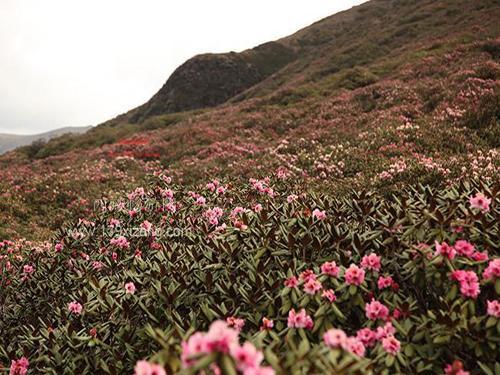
(12, 141)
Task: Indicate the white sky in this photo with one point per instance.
(81, 62)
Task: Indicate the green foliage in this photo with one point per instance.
(186, 281)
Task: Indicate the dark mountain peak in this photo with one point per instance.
(210, 79)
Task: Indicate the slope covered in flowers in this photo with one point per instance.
(311, 282)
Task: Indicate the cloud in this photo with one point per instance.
(75, 62)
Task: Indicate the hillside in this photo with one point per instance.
(325, 203)
(12, 141)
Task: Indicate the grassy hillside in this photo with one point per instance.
(337, 211)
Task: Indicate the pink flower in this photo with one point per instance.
(291, 282)
(384, 282)
(130, 288)
(194, 345)
(220, 337)
(494, 308)
(391, 345)
(299, 320)
(261, 370)
(480, 202)
(371, 262)
(75, 308)
(329, 295)
(386, 330)
(307, 275)
(318, 214)
(120, 242)
(28, 269)
(312, 286)
(492, 272)
(354, 275)
(367, 337)
(464, 248)
(246, 356)
(376, 310)
(479, 256)
(445, 250)
(146, 368)
(200, 201)
(355, 346)
(147, 226)
(257, 207)
(58, 247)
(335, 338)
(19, 367)
(234, 322)
(266, 324)
(292, 198)
(456, 368)
(469, 283)
(330, 269)
(96, 265)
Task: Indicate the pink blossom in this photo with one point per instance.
(307, 275)
(492, 272)
(19, 367)
(312, 286)
(246, 356)
(354, 275)
(480, 202)
(28, 269)
(257, 207)
(335, 338)
(384, 282)
(355, 346)
(376, 310)
(220, 337)
(200, 201)
(391, 345)
(75, 308)
(58, 247)
(367, 336)
(371, 262)
(479, 256)
(147, 226)
(267, 324)
(130, 288)
(194, 345)
(464, 248)
(299, 320)
(120, 242)
(318, 214)
(469, 283)
(291, 282)
(445, 250)
(494, 308)
(329, 294)
(330, 269)
(387, 330)
(292, 198)
(456, 368)
(234, 322)
(146, 368)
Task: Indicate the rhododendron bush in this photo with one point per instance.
(254, 278)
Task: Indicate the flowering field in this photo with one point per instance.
(258, 279)
(341, 216)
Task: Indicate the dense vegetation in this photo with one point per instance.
(153, 266)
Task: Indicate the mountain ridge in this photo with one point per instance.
(10, 142)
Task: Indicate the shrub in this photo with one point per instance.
(70, 306)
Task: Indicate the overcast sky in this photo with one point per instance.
(81, 62)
